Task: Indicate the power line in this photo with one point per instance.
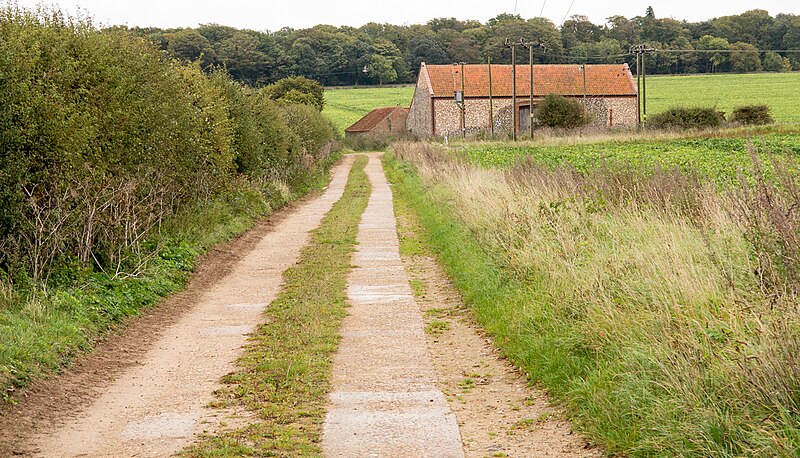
(542, 11)
(568, 10)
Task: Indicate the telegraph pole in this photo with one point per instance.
(641, 54)
(513, 45)
(491, 107)
(463, 105)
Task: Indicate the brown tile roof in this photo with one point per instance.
(372, 119)
(601, 80)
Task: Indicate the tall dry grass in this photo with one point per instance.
(664, 311)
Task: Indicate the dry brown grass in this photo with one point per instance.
(680, 300)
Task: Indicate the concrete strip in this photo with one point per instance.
(385, 402)
(155, 408)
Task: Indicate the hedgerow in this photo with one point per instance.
(111, 156)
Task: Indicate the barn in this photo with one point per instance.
(380, 122)
(608, 93)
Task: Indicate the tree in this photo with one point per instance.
(381, 67)
(189, 46)
(244, 61)
(773, 62)
(298, 89)
(426, 49)
(745, 58)
(716, 60)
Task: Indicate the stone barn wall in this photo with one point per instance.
(611, 111)
(604, 112)
(419, 120)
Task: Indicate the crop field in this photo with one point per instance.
(717, 158)
(346, 106)
(781, 91)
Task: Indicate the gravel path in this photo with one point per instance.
(156, 407)
(385, 400)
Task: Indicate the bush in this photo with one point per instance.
(559, 111)
(755, 115)
(687, 118)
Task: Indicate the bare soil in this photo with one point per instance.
(498, 413)
(143, 391)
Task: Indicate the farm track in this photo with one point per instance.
(399, 389)
(143, 392)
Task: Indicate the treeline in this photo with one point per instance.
(105, 143)
(385, 53)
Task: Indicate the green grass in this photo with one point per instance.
(285, 374)
(43, 330)
(781, 91)
(719, 159)
(346, 106)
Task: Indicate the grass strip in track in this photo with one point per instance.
(284, 376)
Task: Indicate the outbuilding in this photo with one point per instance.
(608, 92)
(382, 121)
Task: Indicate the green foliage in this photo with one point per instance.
(558, 111)
(745, 58)
(752, 115)
(338, 55)
(686, 118)
(298, 90)
(773, 62)
(112, 158)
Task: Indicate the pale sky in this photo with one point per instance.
(272, 15)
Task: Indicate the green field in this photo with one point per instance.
(346, 106)
(781, 91)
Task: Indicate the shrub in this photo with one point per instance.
(687, 118)
(298, 89)
(559, 111)
(752, 115)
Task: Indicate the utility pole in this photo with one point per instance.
(463, 105)
(638, 91)
(491, 106)
(513, 45)
(641, 54)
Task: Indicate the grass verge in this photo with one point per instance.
(649, 323)
(285, 375)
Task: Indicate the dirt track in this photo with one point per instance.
(155, 406)
(398, 391)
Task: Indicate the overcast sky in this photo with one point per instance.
(273, 15)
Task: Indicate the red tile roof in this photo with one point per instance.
(372, 119)
(601, 80)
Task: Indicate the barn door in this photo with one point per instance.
(524, 118)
